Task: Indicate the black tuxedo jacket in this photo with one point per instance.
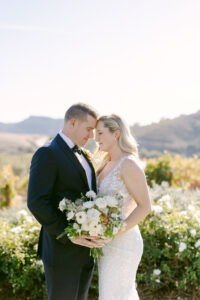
(56, 173)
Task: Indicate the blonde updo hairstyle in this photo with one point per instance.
(127, 142)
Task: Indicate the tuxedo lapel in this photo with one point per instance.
(94, 185)
(72, 157)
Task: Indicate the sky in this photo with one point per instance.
(136, 58)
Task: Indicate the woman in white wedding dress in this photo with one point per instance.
(121, 172)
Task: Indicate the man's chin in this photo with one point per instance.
(83, 144)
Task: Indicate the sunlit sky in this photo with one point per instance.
(140, 59)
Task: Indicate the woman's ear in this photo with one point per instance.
(117, 134)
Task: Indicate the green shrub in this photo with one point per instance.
(18, 263)
(170, 261)
(159, 170)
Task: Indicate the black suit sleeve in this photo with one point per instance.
(40, 193)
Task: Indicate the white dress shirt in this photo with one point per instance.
(81, 159)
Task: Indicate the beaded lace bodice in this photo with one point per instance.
(112, 184)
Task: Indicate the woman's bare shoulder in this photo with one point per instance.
(131, 165)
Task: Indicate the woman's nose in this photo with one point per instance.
(96, 138)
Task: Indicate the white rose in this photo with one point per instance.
(182, 246)
(34, 228)
(191, 207)
(39, 263)
(89, 225)
(95, 229)
(115, 216)
(197, 244)
(93, 214)
(165, 184)
(197, 215)
(101, 203)
(111, 201)
(17, 229)
(81, 217)
(165, 198)
(75, 226)
(168, 204)
(29, 219)
(86, 225)
(70, 215)
(156, 272)
(193, 232)
(91, 194)
(88, 204)
(62, 205)
(22, 213)
(183, 213)
(157, 209)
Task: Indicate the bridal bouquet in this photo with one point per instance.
(93, 215)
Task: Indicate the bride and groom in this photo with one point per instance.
(62, 169)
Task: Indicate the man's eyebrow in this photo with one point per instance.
(90, 127)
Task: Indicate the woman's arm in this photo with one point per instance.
(136, 184)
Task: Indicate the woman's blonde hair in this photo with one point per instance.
(126, 141)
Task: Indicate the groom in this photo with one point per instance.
(60, 170)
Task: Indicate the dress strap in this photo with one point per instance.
(121, 161)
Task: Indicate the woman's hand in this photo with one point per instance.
(88, 241)
(107, 240)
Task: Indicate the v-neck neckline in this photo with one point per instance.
(101, 181)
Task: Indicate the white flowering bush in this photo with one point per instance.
(170, 261)
(19, 267)
(171, 234)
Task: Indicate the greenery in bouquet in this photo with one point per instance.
(93, 215)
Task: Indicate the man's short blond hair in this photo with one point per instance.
(80, 111)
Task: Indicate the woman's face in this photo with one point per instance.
(105, 139)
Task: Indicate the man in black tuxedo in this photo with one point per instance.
(61, 169)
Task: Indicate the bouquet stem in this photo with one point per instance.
(96, 252)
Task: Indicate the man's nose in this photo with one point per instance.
(91, 134)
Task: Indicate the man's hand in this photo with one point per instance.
(89, 241)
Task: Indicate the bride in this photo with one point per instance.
(121, 172)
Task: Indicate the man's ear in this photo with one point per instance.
(72, 122)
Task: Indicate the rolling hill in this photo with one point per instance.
(179, 135)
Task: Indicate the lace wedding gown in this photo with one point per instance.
(118, 266)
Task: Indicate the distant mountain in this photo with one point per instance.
(180, 135)
(34, 125)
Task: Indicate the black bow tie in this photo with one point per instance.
(77, 149)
